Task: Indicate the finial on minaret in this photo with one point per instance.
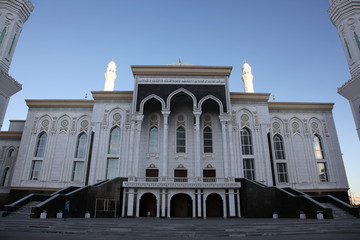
(110, 76)
(247, 78)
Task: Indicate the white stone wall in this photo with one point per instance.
(8, 152)
(297, 130)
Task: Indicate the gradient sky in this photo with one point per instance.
(292, 46)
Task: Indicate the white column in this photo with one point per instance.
(165, 144)
(163, 203)
(158, 200)
(231, 150)
(137, 210)
(224, 206)
(197, 145)
(123, 204)
(224, 143)
(193, 206)
(231, 203)
(130, 205)
(204, 207)
(168, 205)
(238, 202)
(199, 194)
(137, 118)
(130, 158)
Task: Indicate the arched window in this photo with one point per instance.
(208, 141)
(153, 140)
(40, 145)
(81, 146)
(5, 178)
(246, 143)
(318, 149)
(114, 141)
(11, 153)
(180, 140)
(279, 147)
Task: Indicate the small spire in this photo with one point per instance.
(179, 59)
(86, 96)
(273, 97)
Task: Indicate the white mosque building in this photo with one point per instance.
(179, 145)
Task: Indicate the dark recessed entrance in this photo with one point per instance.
(214, 206)
(148, 205)
(181, 205)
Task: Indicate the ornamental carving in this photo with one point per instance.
(181, 185)
(33, 130)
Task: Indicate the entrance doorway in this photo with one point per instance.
(148, 205)
(214, 206)
(181, 205)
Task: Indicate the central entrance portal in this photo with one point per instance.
(214, 206)
(148, 205)
(181, 205)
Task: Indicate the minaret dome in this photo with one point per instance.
(110, 76)
(247, 78)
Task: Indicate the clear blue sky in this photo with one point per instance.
(292, 46)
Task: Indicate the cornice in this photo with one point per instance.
(249, 97)
(300, 106)
(340, 9)
(184, 70)
(10, 135)
(9, 86)
(35, 189)
(112, 95)
(59, 103)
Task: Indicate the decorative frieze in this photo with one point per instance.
(189, 185)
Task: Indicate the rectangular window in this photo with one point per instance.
(249, 170)
(111, 168)
(281, 172)
(180, 175)
(35, 170)
(209, 175)
(180, 140)
(152, 175)
(78, 172)
(322, 172)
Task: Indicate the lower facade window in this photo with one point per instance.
(180, 175)
(152, 175)
(78, 172)
(35, 170)
(322, 170)
(111, 168)
(249, 170)
(281, 172)
(209, 175)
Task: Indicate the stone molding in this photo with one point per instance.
(59, 103)
(173, 70)
(295, 106)
(112, 95)
(180, 80)
(181, 185)
(10, 135)
(249, 97)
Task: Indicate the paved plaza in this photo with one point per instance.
(178, 228)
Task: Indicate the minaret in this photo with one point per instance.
(345, 15)
(13, 14)
(247, 78)
(110, 76)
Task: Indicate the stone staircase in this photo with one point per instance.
(24, 211)
(338, 213)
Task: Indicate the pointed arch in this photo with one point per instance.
(183, 90)
(246, 141)
(114, 140)
(180, 140)
(40, 144)
(221, 107)
(142, 103)
(278, 147)
(81, 145)
(318, 147)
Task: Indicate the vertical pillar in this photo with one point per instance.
(225, 205)
(123, 203)
(137, 207)
(130, 205)
(231, 151)
(138, 122)
(224, 143)
(238, 202)
(168, 205)
(163, 202)
(165, 144)
(199, 195)
(232, 212)
(194, 205)
(204, 207)
(130, 158)
(197, 145)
